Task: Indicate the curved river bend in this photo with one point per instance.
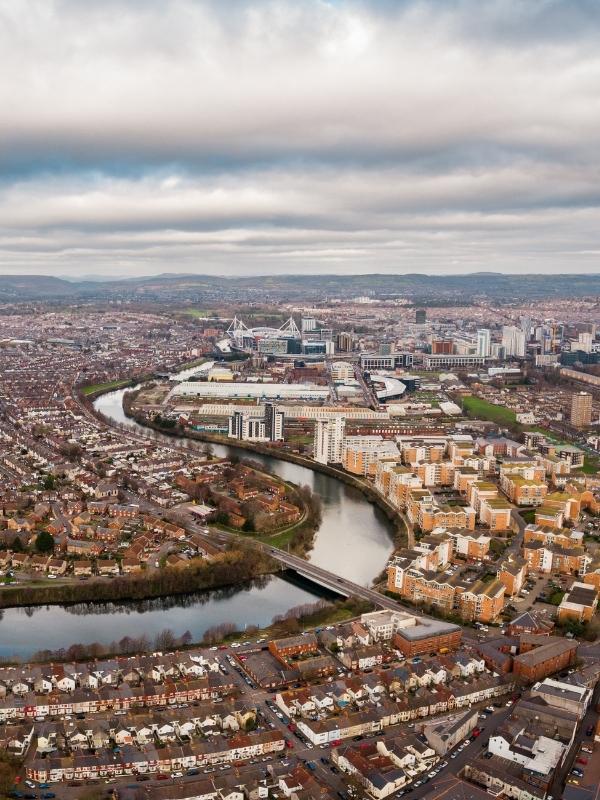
(354, 540)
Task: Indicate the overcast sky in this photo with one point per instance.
(250, 137)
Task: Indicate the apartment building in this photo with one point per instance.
(422, 449)
(430, 515)
(360, 454)
(430, 555)
(496, 513)
(470, 544)
(524, 491)
(512, 573)
(437, 473)
(592, 577)
(464, 478)
(562, 537)
(423, 587)
(329, 440)
(553, 558)
(581, 409)
(401, 483)
(579, 604)
(478, 491)
(482, 602)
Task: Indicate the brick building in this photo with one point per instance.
(545, 659)
(428, 635)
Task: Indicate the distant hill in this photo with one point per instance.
(426, 289)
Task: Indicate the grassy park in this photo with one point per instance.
(104, 387)
(481, 409)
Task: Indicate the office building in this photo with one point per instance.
(371, 361)
(483, 343)
(420, 316)
(329, 440)
(452, 361)
(513, 341)
(581, 409)
(585, 341)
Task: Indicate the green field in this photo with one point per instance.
(196, 312)
(103, 387)
(591, 465)
(481, 409)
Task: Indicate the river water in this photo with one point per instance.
(354, 540)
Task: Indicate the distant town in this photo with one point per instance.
(167, 443)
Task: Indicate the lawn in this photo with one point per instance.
(529, 515)
(591, 465)
(556, 597)
(103, 387)
(481, 409)
(196, 312)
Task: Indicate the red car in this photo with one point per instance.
(475, 732)
(582, 760)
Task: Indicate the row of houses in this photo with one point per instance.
(334, 713)
(108, 698)
(131, 760)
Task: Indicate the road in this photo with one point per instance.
(305, 568)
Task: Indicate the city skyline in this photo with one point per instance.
(270, 137)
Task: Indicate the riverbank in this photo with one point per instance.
(93, 391)
(400, 534)
(306, 617)
(233, 567)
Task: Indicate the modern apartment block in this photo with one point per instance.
(581, 409)
(248, 426)
(579, 604)
(329, 440)
(360, 454)
(512, 574)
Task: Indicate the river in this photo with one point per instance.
(353, 540)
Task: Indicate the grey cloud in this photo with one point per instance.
(422, 134)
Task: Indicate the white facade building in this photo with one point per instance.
(483, 343)
(329, 440)
(513, 341)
